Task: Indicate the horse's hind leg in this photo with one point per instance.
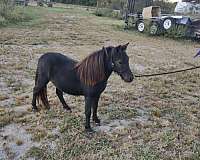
(60, 96)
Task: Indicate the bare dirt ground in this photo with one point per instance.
(148, 119)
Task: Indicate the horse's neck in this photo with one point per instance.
(108, 65)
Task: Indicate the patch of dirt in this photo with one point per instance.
(15, 142)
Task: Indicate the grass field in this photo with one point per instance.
(149, 119)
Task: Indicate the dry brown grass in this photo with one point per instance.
(161, 114)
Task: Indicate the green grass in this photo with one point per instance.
(27, 16)
(20, 15)
(35, 16)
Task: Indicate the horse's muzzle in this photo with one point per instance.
(127, 77)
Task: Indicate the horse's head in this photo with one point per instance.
(120, 62)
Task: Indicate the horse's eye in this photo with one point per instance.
(120, 62)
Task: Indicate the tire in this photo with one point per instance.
(168, 23)
(140, 26)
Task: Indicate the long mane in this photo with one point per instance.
(91, 70)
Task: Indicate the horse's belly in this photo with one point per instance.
(69, 89)
(67, 83)
(73, 92)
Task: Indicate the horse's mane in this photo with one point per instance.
(91, 70)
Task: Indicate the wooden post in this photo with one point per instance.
(98, 4)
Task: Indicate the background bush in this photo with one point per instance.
(108, 12)
(10, 14)
(6, 7)
(80, 2)
(177, 31)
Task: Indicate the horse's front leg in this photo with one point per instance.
(88, 105)
(95, 106)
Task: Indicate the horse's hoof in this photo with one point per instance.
(89, 130)
(68, 110)
(48, 108)
(35, 110)
(98, 124)
(97, 121)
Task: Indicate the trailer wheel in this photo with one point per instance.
(168, 23)
(140, 26)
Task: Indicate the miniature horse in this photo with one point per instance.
(88, 77)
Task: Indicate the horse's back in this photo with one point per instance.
(53, 58)
(49, 64)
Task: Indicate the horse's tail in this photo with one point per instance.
(36, 75)
(42, 94)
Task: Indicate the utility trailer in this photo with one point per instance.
(155, 23)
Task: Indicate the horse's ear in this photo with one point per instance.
(124, 47)
(118, 47)
(105, 50)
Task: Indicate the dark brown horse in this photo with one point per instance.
(88, 77)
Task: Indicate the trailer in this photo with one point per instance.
(154, 22)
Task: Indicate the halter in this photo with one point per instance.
(106, 52)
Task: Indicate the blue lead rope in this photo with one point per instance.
(198, 54)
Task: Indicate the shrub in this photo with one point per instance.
(10, 14)
(107, 12)
(6, 6)
(116, 14)
(177, 31)
(111, 8)
(6, 11)
(103, 12)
